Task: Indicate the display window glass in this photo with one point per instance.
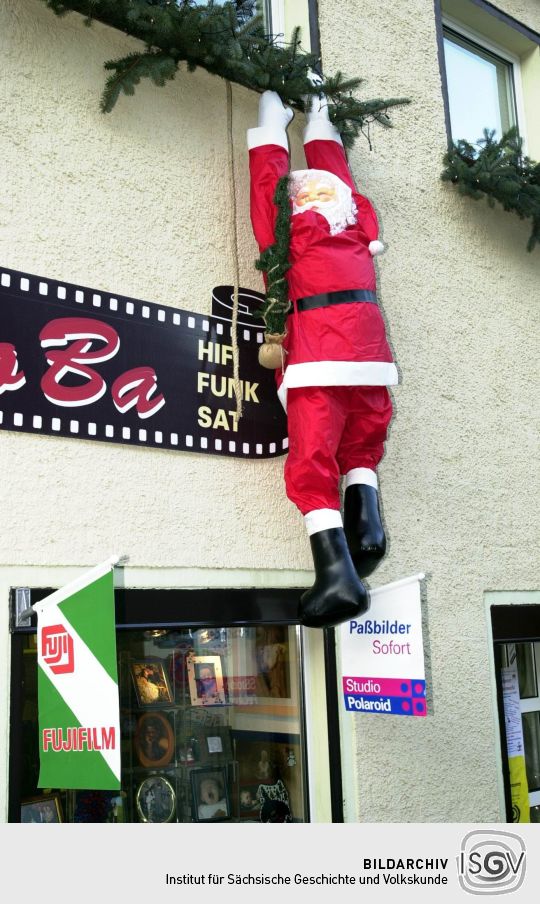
(211, 723)
(518, 682)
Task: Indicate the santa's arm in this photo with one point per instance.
(324, 150)
(322, 143)
(268, 162)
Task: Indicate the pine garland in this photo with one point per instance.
(226, 42)
(498, 171)
(275, 262)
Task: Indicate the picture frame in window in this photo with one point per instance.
(91, 805)
(151, 683)
(210, 795)
(216, 744)
(155, 799)
(154, 740)
(249, 803)
(268, 655)
(205, 677)
(211, 746)
(45, 808)
(272, 764)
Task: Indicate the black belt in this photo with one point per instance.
(346, 296)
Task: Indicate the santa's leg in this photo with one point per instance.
(316, 417)
(359, 454)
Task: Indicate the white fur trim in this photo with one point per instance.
(362, 475)
(337, 373)
(282, 396)
(376, 247)
(322, 519)
(341, 373)
(321, 130)
(262, 135)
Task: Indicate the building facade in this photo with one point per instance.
(138, 203)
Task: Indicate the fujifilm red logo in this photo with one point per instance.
(57, 649)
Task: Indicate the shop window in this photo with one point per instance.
(516, 634)
(211, 721)
(526, 657)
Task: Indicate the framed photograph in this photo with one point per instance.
(154, 740)
(249, 802)
(151, 682)
(264, 803)
(42, 809)
(210, 795)
(217, 744)
(210, 746)
(155, 800)
(205, 678)
(268, 655)
(178, 668)
(270, 768)
(98, 806)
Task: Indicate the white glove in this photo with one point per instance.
(316, 105)
(272, 113)
(273, 121)
(315, 78)
(316, 108)
(318, 125)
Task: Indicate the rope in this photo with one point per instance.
(236, 266)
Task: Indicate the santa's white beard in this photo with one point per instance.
(339, 213)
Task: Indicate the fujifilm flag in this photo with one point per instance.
(79, 732)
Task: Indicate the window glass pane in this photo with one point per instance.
(480, 89)
(245, 9)
(526, 670)
(531, 739)
(211, 730)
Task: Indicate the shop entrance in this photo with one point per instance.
(516, 635)
(211, 715)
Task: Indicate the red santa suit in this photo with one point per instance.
(337, 363)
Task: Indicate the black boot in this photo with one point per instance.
(337, 594)
(363, 527)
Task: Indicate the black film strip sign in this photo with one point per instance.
(89, 364)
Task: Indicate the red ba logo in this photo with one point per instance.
(57, 649)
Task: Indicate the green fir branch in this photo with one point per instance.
(222, 40)
(499, 172)
(274, 261)
(128, 72)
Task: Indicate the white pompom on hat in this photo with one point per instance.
(376, 247)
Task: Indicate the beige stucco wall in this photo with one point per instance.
(120, 202)
(115, 202)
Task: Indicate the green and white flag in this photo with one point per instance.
(79, 726)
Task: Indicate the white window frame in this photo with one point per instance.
(277, 11)
(477, 38)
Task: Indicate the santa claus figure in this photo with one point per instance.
(336, 363)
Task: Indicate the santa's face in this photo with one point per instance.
(316, 194)
(325, 194)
